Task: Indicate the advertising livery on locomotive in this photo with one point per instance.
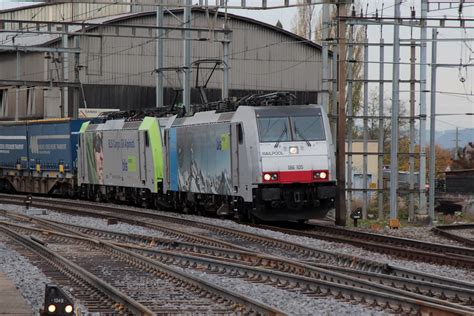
(255, 162)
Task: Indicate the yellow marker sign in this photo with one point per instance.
(225, 142)
(132, 164)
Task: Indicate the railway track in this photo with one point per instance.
(144, 284)
(463, 233)
(415, 297)
(401, 247)
(306, 254)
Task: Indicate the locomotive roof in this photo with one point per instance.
(220, 117)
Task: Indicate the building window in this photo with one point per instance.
(94, 55)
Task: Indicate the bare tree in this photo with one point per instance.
(303, 22)
(355, 61)
(387, 124)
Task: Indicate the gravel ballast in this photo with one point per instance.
(28, 279)
(291, 302)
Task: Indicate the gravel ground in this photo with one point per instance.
(418, 233)
(441, 270)
(97, 223)
(294, 303)
(465, 233)
(27, 278)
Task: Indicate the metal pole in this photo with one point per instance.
(350, 121)
(411, 161)
(421, 216)
(433, 125)
(17, 91)
(381, 129)
(187, 58)
(366, 127)
(325, 57)
(395, 113)
(65, 61)
(334, 92)
(159, 56)
(77, 79)
(225, 46)
(456, 154)
(341, 211)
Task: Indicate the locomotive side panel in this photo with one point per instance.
(92, 155)
(200, 158)
(122, 156)
(150, 130)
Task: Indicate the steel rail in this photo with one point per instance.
(384, 295)
(444, 230)
(217, 292)
(78, 208)
(338, 259)
(402, 247)
(457, 291)
(314, 281)
(57, 260)
(72, 209)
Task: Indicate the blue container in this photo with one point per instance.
(13, 146)
(53, 143)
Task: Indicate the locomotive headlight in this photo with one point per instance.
(293, 150)
(267, 177)
(68, 309)
(320, 175)
(51, 308)
(274, 176)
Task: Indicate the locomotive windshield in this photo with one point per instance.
(307, 128)
(274, 129)
(294, 128)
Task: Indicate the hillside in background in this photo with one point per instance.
(446, 138)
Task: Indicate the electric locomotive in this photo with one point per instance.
(272, 163)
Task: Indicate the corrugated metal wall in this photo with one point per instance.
(262, 59)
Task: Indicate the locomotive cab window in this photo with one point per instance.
(147, 139)
(273, 129)
(240, 133)
(306, 128)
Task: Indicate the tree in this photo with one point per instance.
(356, 61)
(278, 24)
(303, 22)
(373, 122)
(443, 160)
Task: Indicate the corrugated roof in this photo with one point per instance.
(28, 39)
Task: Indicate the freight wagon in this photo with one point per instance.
(39, 156)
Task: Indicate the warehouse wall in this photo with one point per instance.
(119, 72)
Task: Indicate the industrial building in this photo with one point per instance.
(115, 66)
